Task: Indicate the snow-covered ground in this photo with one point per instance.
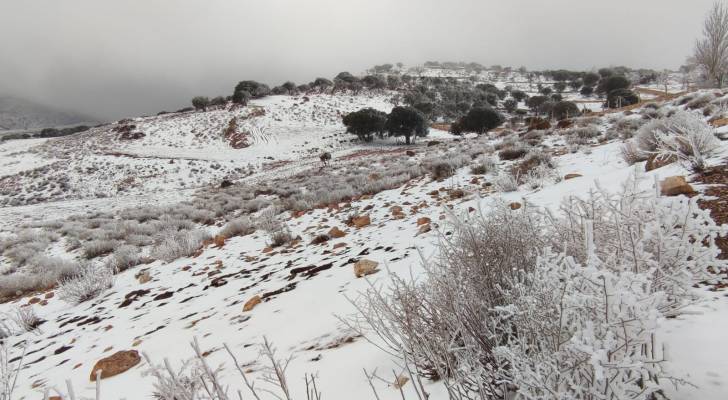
(305, 286)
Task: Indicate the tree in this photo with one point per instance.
(590, 79)
(560, 86)
(622, 98)
(510, 105)
(290, 87)
(200, 102)
(322, 84)
(564, 110)
(255, 89)
(365, 123)
(478, 120)
(241, 97)
(586, 90)
(519, 95)
(535, 102)
(218, 101)
(345, 77)
(711, 52)
(545, 90)
(613, 82)
(407, 122)
(606, 72)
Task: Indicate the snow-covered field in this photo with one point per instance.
(304, 287)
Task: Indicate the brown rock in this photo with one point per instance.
(410, 153)
(675, 185)
(34, 300)
(571, 176)
(250, 304)
(457, 194)
(49, 295)
(365, 267)
(144, 277)
(424, 229)
(423, 221)
(362, 221)
(115, 364)
(515, 205)
(653, 162)
(719, 122)
(336, 233)
(339, 245)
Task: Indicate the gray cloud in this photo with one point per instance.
(119, 58)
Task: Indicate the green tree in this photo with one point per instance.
(478, 120)
(365, 123)
(407, 122)
(200, 102)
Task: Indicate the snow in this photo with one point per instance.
(303, 321)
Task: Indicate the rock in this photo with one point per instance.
(339, 245)
(365, 267)
(423, 221)
(424, 229)
(653, 162)
(675, 185)
(116, 364)
(225, 183)
(336, 233)
(457, 194)
(538, 124)
(410, 153)
(250, 304)
(49, 295)
(515, 205)
(144, 277)
(719, 122)
(432, 143)
(362, 221)
(571, 176)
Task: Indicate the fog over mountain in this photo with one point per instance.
(113, 59)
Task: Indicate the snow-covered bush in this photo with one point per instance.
(98, 247)
(26, 319)
(443, 166)
(686, 137)
(506, 182)
(238, 227)
(88, 283)
(179, 244)
(10, 368)
(700, 101)
(483, 165)
(124, 257)
(550, 306)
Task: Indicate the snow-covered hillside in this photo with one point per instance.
(379, 202)
(18, 114)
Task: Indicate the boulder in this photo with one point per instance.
(365, 267)
(675, 185)
(361, 221)
(250, 304)
(515, 205)
(336, 233)
(423, 221)
(115, 364)
(410, 153)
(571, 176)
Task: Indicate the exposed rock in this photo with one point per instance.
(225, 183)
(571, 176)
(116, 364)
(423, 221)
(433, 143)
(250, 304)
(515, 205)
(653, 162)
(365, 267)
(457, 194)
(361, 221)
(144, 277)
(424, 229)
(410, 153)
(336, 233)
(675, 185)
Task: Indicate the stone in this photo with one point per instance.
(410, 153)
(515, 205)
(424, 229)
(362, 221)
(571, 176)
(365, 267)
(115, 364)
(336, 233)
(457, 194)
(675, 185)
(144, 277)
(423, 221)
(250, 304)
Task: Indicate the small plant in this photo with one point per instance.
(90, 281)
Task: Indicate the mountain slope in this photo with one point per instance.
(20, 114)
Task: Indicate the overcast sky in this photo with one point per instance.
(128, 57)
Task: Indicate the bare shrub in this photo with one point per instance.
(445, 165)
(88, 283)
(687, 137)
(26, 319)
(238, 227)
(631, 154)
(124, 257)
(500, 314)
(483, 165)
(513, 153)
(98, 247)
(700, 101)
(506, 182)
(179, 244)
